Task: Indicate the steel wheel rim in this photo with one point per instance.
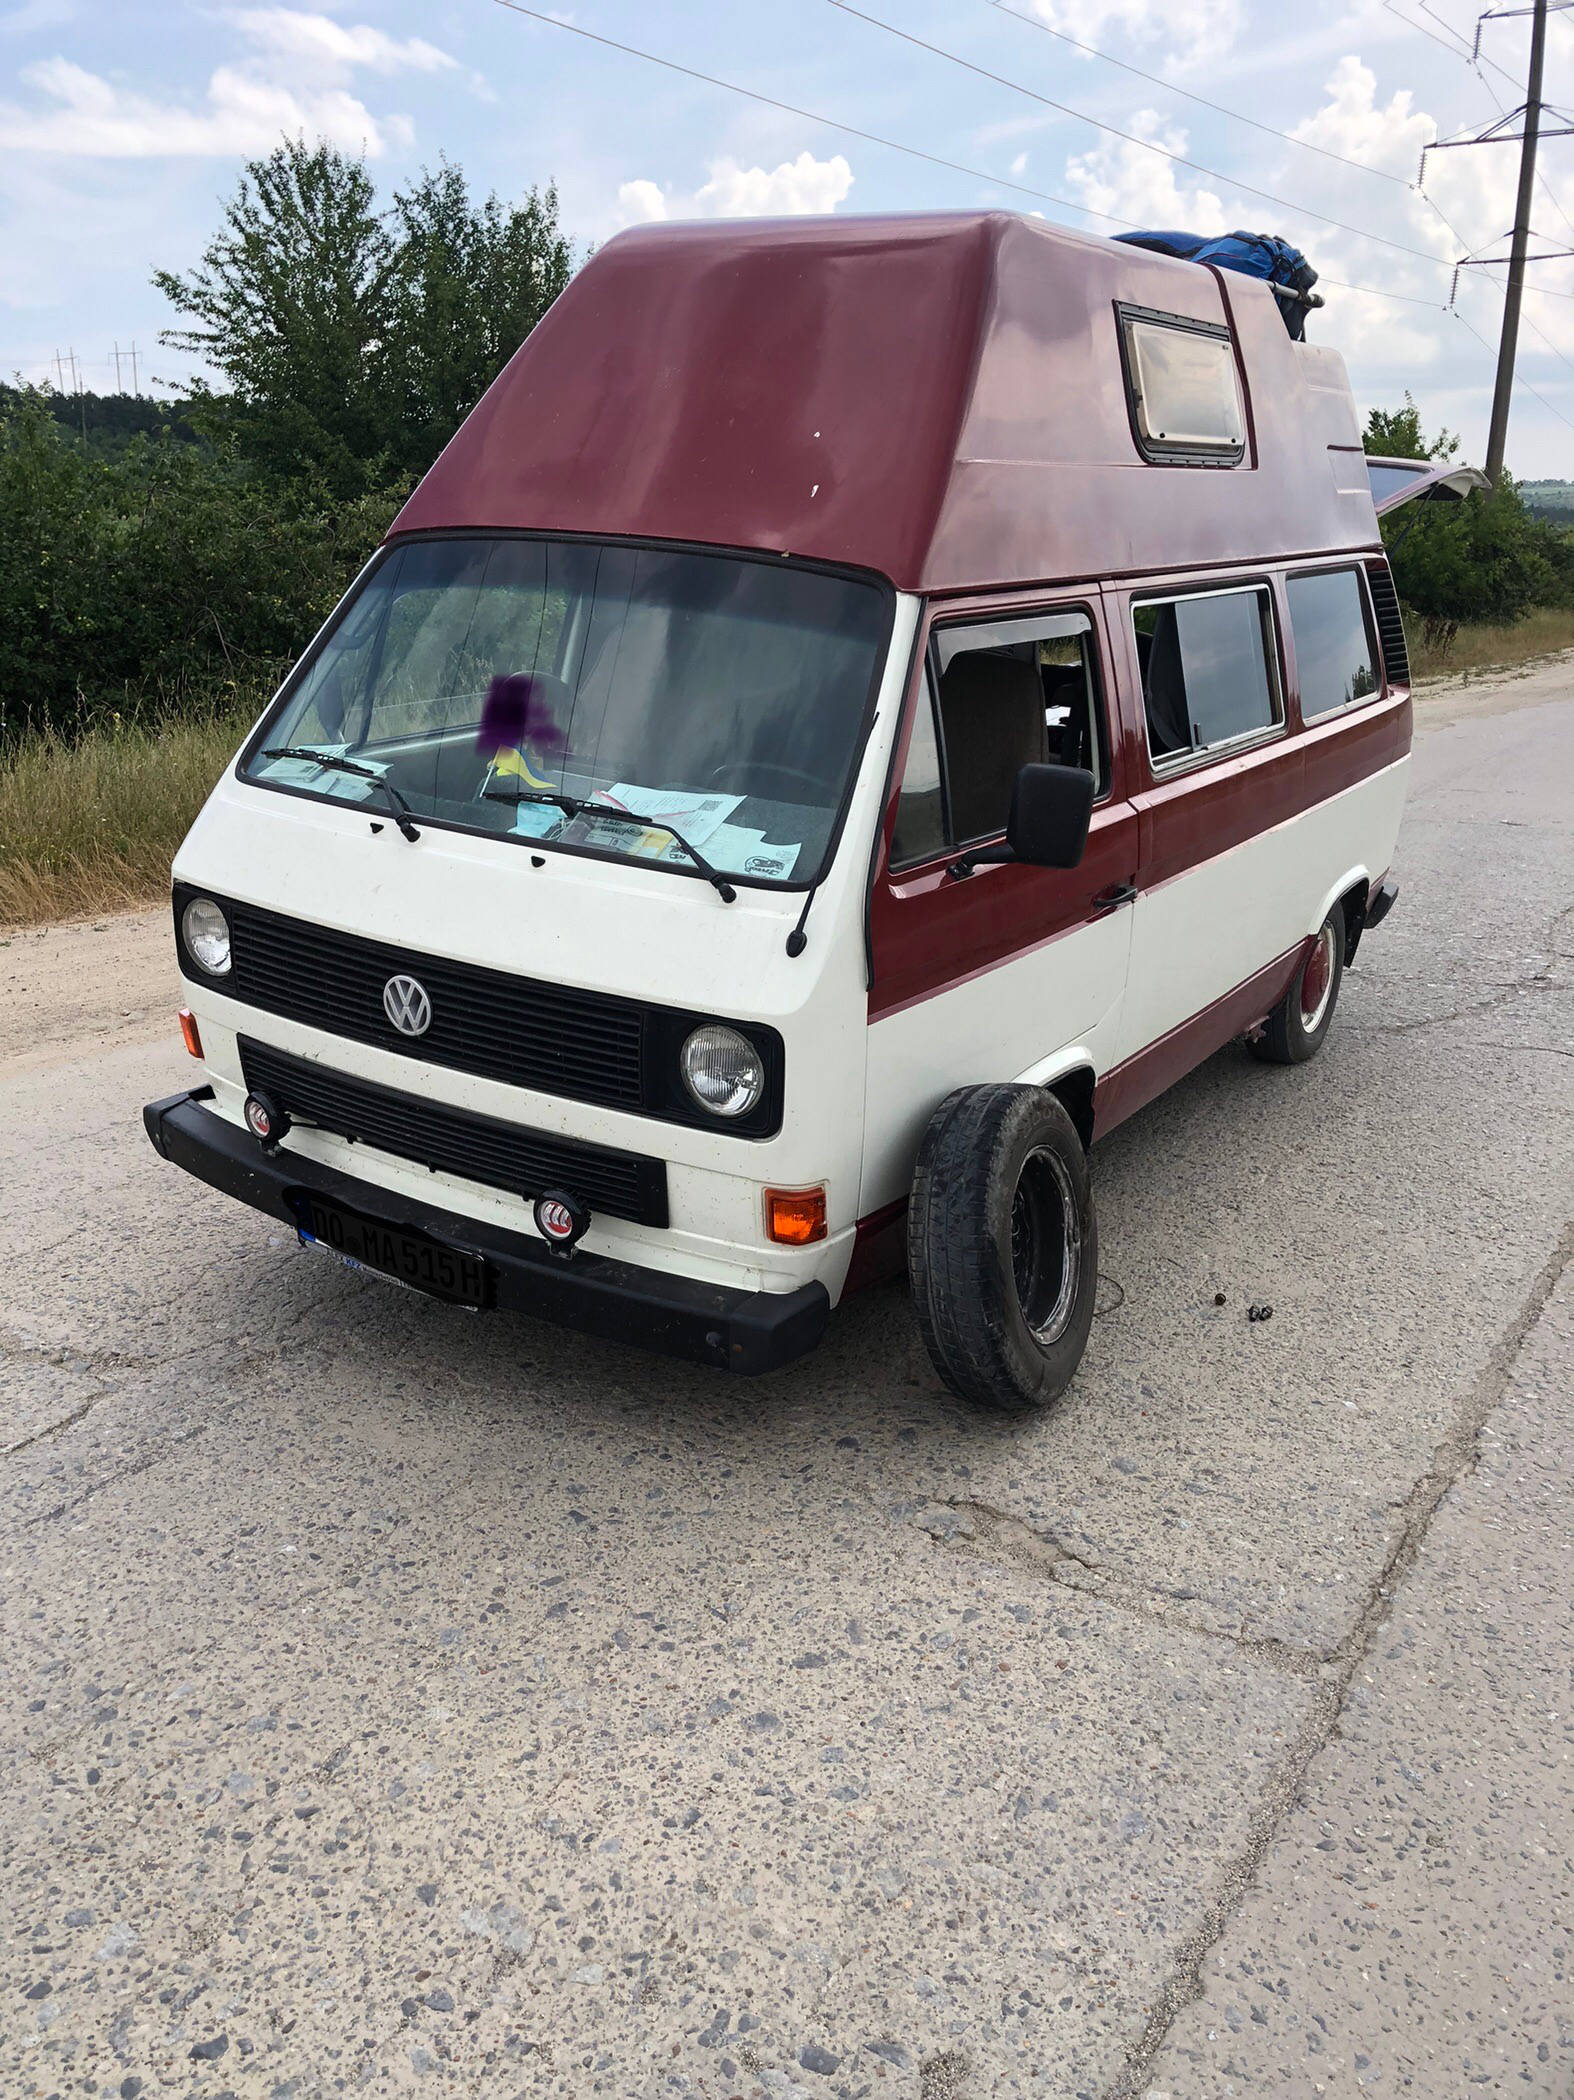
(1317, 982)
(1046, 1245)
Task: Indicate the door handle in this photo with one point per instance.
(1113, 898)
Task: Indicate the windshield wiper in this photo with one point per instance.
(713, 876)
(402, 814)
(576, 808)
(570, 804)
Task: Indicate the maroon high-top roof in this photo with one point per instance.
(939, 397)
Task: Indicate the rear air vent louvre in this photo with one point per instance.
(1390, 627)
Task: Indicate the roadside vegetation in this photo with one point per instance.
(163, 561)
(90, 822)
(1483, 649)
(1469, 575)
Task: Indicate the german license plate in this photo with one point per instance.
(411, 1258)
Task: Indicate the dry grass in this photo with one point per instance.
(1479, 649)
(91, 825)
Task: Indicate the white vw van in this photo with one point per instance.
(858, 709)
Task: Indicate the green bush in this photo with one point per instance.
(160, 573)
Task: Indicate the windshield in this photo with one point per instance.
(724, 696)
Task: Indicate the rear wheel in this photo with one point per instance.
(1003, 1246)
(1296, 1028)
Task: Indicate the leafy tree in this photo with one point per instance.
(1395, 433)
(472, 281)
(291, 304)
(354, 340)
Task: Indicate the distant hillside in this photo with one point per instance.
(1549, 499)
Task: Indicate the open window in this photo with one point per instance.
(1209, 671)
(1183, 389)
(997, 697)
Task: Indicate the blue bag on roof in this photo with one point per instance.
(1262, 255)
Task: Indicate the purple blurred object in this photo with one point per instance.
(514, 713)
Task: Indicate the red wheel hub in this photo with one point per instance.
(1314, 978)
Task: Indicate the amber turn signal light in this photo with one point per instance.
(795, 1217)
(188, 1031)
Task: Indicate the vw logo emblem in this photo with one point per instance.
(407, 1006)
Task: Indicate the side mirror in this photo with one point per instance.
(1050, 809)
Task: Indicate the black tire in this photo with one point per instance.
(1298, 1026)
(1003, 1309)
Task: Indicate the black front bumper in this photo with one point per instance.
(747, 1331)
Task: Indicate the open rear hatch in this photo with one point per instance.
(1398, 481)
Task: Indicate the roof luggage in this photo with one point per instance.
(1262, 255)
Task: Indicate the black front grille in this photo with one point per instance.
(452, 1141)
(585, 1045)
(1390, 626)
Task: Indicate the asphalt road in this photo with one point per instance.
(397, 1700)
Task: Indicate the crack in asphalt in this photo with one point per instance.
(997, 1534)
(1455, 1457)
(50, 1429)
(100, 1362)
(1542, 980)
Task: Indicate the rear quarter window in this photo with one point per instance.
(1335, 652)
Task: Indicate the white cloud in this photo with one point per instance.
(1351, 123)
(796, 187)
(1387, 342)
(1191, 29)
(1019, 165)
(241, 114)
(640, 202)
(295, 83)
(338, 47)
(1126, 182)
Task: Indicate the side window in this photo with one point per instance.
(1208, 670)
(997, 698)
(1333, 641)
(1184, 391)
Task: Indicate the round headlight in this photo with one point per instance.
(723, 1071)
(207, 934)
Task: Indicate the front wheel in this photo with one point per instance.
(1003, 1246)
(1298, 1025)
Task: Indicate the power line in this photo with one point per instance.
(1362, 167)
(1169, 87)
(935, 160)
(1499, 104)
(1130, 137)
(1454, 49)
(1525, 383)
(1371, 291)
(791, 109)
(1273, 131)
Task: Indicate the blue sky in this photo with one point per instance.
(123, 125)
